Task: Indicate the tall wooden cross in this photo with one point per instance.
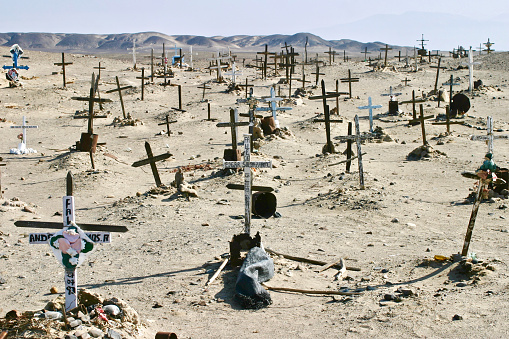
(489, 137)
(349, 80)
(328, 95)
(143, 78)
(99, 68)
(450, 83)
(370, 106)
(167, 124)
(413, 102)
(266, 54)
(70, 244)
(247, 165)
(233, 73)
(233, 124)
(329, 146)
(180, 99)
(330, 53)
(303, 79)
(63, 64)
(365, 53)
(337, 93)
(119, 90)
(23, 145)
(317, 72)
(438, 73)
(471, 64)
(151, 159)
(386, 49)
(219, 67)
(448, 121)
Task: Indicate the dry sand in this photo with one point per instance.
(409, 212)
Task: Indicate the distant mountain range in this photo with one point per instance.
(120, 43)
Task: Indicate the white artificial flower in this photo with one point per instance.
(55, 244)
(73, 261)
(72, 252)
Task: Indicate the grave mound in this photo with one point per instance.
(424, 152)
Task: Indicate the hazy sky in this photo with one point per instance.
(226, 17)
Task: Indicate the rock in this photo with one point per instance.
(95, 332)
(2, 281)
(457, 317)
(54, 315)
(406, 291)
(88, 298)
(82, 334)
(70, 336)
(53, 290)
(461, 284)
(389, 297)
(395, 220)
(111, 310)
(113, 334)
(75, 323)
(128, 313)
(14, 314)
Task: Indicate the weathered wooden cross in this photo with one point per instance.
(205, 87)
(317, 71)
(438, 73)
(337, 93)
(63, 64)
(247, 165)
(151, 159)
(358, 138)
(349, 80)
(219, 67)
(167, 123)
(180, 99)
(233, 73)
(70, 244)
(370, 106)
(23, 144)
(365, 53)
(386, 49)
(448, 121)
(413, 102)
(119, 90)
(488, 46)
(99, 68)
(143, 78)
(233, 124)
(470, 65)
(246, 86)
(450, 83)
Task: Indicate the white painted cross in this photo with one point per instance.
(490, 137)
(391, 94)
(370, 106)
(191, 56)
(247, 164)
(273, 107)
(234, 73)
(134, 53)
(471, 64)
(22, 146)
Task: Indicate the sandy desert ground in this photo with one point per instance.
(408, 212)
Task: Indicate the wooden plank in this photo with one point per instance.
(58, 225)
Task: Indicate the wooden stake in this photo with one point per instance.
(223, 265)
(473, 216)
(63, 64)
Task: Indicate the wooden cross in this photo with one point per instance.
(386, 49)
(180, 99)
(303, 79)
(233, 73)
(272, 100)
(329, 146)
(1, 191)
(393, 104)
(252, 119)
(91, 100)
(266, 54)
(370, 106)
(99, 68)
(119, 90)
(349, 80)
(365, 53)
(24, 127)
(246, 86)
(247, 164)
(406, 81)
(470, 64)
(288, 65)
(317, 73)
(233, 124)
(450, 83)
(151, 159)
(473, 216)
(152, 65)
(337, 93)
(391, 94)
(488, 46)
(219, 67)
(421, 122)
(143, 78)
(167, 123)
(358, 138)
(448, 120)
(205, 87)
(58, 242)
(63, 64)
(422, 51)
(413, 102)
(438, 72)
(330, 52)
(489, 137)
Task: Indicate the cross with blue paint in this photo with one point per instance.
(370, 106)
(273, 108)
(16, 53)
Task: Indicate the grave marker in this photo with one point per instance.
(272, 100)
(180, 99)
(22, 146)
(422, 52)
(358, 138)
(233, 124)
(247, 165)
(303, 79)
(246, 86)
(151, 159)
(265, 53)
(489, 137)
(167, 123)
(204, 87)
(386, 49)
(119, 90)
(328, 95)
(63, 64)
(143, 78)
(470, 64)
(16, 53)
(413, 102)
(370, 106)
(317, 72)
(70, 245)
(337, 93)
(365, 54)
(393, 104)
(406, 81)
(436, 80)
(99, 68)
(488, 46)
(349, 80)
(448, 121)
(234, 73)
(134, 54)
(450, 83)
(218, 67)
(208, 113)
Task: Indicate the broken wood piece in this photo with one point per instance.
(309, 261)
(342, 272)
(347, 160)
(329, 265)
(298, 290)
(211, 280)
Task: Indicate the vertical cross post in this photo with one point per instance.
(119, 90)
(24, 127)
(438, 73)
(349, 80)
(63, 64)
(359, 151)
(370, 106)
(151, 159)
(143, 78)
(349, 148)
(471, 64)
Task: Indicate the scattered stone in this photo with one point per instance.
(113, 334)
(53, 290)
(111, 310)
(457, 317)
(14, 314)
(95, 332)
(88, 298)
(395, 220)
(461, 284)
(75, 323)
(54, 315)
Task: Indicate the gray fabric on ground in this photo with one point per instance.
(258, 267)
